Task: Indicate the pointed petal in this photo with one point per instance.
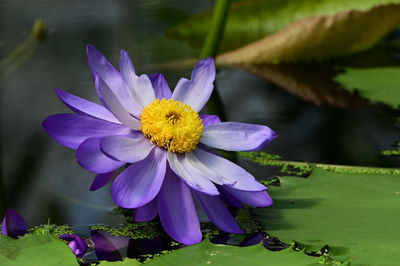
(147, 212)
(101, 180)
(194, 178)
(177, 211)
(253, 198)
(140, 87)
(90, 157)
(71, 130)
(115, 106)
(140, 182)
(160, 86)
(76, 244)
(253, 239)
(228, 198)
(84, 107)
(127, 149)
(218, 213)
(100, 65)
(108, 247)
(227, 172)
(210, 119)
(197, 91)
(233, 136)
(13, 224)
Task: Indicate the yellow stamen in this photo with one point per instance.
(172, 125)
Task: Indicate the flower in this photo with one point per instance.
(76, 244)
(13, 224)
(164, 142)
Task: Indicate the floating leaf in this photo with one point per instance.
(32, 250)
(206, 253)
(317, 37)
(356, 215)
(376, 84)
(130, 262)
(252, 20)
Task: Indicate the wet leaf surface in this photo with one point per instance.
(356, 215)
(32, 250)
(206, 253)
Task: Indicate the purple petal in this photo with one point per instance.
(229, 199)
(71, 130)
(90, 157)
(233, 136)
(127, 149)
(194, 178)
(177, 211)
(197, 91)
(147, 212)
(140, 182)
(218, 213)
(99, 64)
(160, 86)
(140, 87)
(76, 244)
(13, 224)
(84, 107)
(227, 172)
(253, 198)
(210, 119)
(253, 239)
(115, 106)
(107, 247)
(101, 180)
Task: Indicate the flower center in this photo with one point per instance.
(172, 125)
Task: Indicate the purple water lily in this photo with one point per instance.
(13, 224)
(164, 142)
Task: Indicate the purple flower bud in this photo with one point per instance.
(108, 247)
(76, 244)
(13, 224)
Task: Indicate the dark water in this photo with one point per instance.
(41, 178)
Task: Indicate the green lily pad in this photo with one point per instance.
(380, 85)
(206, 253)
(33, 250)
(356, 215)
(130, 262)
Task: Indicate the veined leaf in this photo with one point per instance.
(319, 37)
(251, 20)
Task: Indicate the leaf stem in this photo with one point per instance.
(216, 32)
(211, 47)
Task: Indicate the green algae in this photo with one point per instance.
(247, 221)
(392, 152)
(147, 230)
(305, 168)
(52, 229)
